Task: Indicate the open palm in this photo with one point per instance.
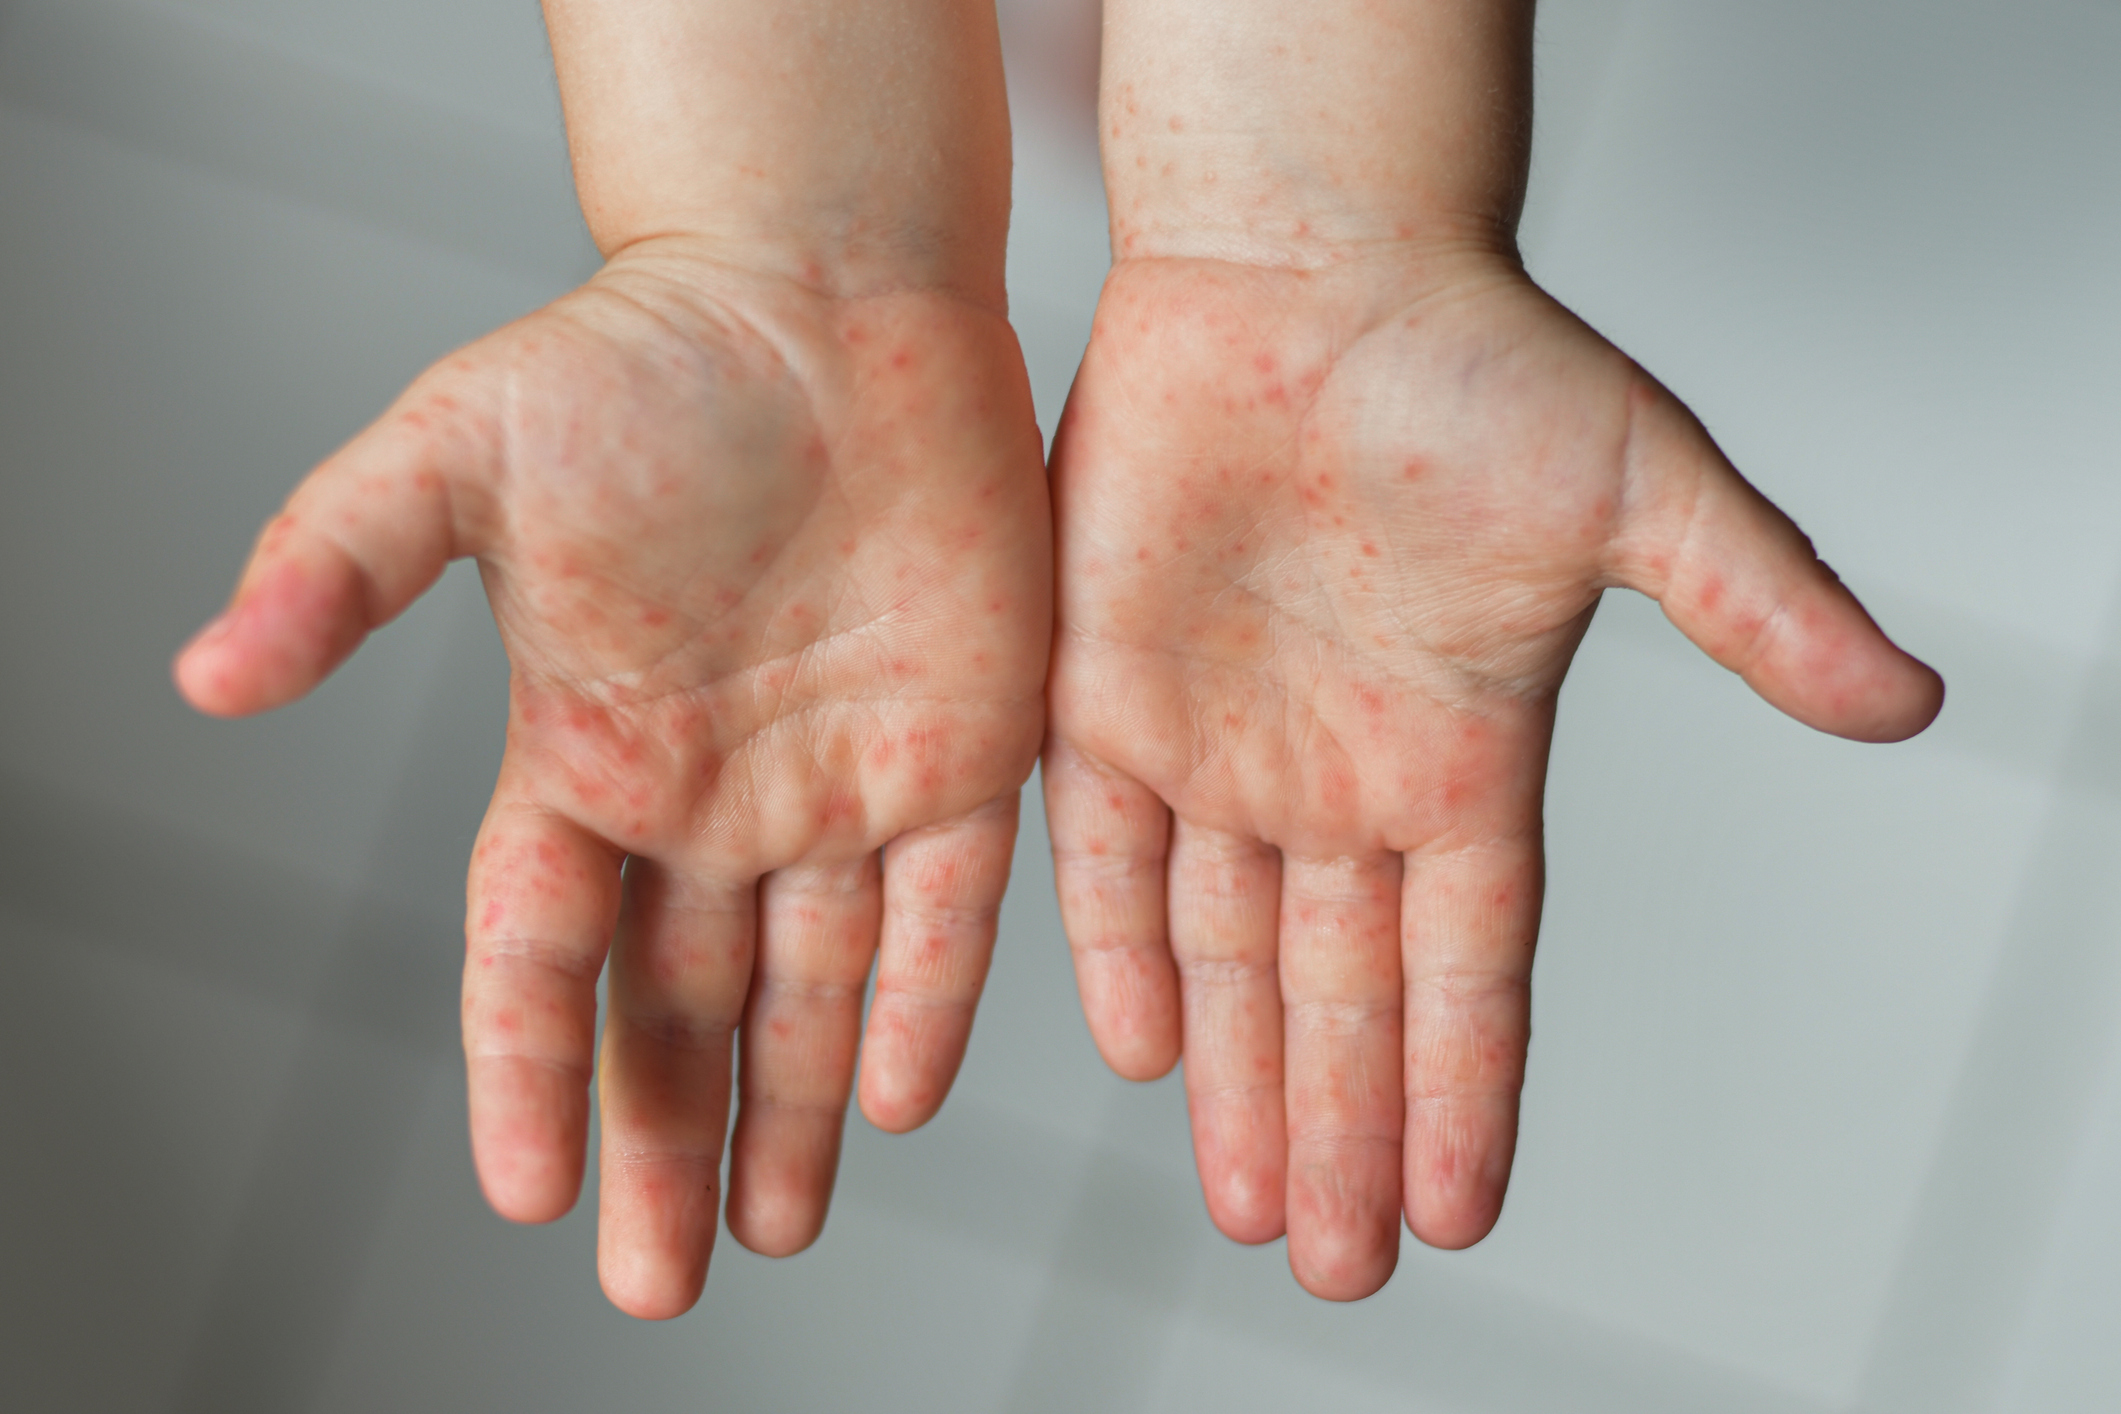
(771, 570)
(1327, 542)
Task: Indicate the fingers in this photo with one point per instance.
(1469, 919)
(1225, 912)
(817, 934)
(679, 973)
(363, 537)
(543, 897)
(1742, 582)
(1110, 835)
(1341, 1000)
(942, 897)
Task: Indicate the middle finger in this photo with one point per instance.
(679, 972)
(1340, 989)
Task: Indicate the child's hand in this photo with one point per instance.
(772, 571)
(1327, 541)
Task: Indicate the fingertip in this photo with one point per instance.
(1343, 1267)
(1137, 1048)
(1459, 1157)
(649, 1296)
(1452, 1225)
(527, 1140)
(293, 623)
(782, 1163)
(1855, 684)
(655, 1236)
(911, 1053)
(1907, 709)
(531, 1201)
(774, 1224)
(1247, 1207)
(895, 1103)
(1130, 1002)
(201, 676)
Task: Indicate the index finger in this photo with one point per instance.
(1469, 918)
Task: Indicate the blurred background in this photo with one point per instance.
(1824, 1112)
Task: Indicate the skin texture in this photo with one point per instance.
(768, 566)
(1336, 495)
(762, 518)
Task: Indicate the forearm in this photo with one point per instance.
(856, 145)
(1298, 135)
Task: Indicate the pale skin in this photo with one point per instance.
(762, 517)
(1336, 495)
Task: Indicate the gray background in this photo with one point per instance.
(1823, 1112)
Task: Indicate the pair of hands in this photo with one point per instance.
(776, 576)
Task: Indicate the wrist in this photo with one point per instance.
(1252, 131)
(853, 146)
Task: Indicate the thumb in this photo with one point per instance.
(1739, 579)
(362, 537)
